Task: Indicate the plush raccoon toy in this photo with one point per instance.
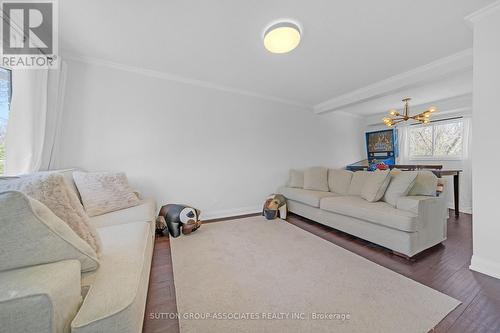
(180, 217)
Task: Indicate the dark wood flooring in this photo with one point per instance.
(444, 267)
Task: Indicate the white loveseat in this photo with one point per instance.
(58, 297)
(413, 224)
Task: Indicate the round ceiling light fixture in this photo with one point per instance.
(282, 36)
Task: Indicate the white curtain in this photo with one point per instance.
(466, 177)
(467, 139)
(56, 90)
(403, 145)
(34, 118)
(26, 125)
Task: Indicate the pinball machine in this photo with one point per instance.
(381, 147)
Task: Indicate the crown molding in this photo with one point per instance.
(181, 79)
(483, 12)
(443, 67)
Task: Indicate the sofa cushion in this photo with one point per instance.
(41, 298)
(68, 175)
(296, 178)
(104, 192)
(425, 184)
(146, 211)
(31, 234)
(116, 298)
(377, 212)
(339, 180)
(357, 182)
(51, 189)
(375, 185)
(308, 197)
(400, 185)
(316, 179)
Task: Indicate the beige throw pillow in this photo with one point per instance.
(104, 192)
(316, 179)
(32, 234)
(296, 178)
(52, 190)
(400, 185)
(425, 184)
(375, 185)
(358, 181)
(339, 180)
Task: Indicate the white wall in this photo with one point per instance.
(486, 117)
(218, 151)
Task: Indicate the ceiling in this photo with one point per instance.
(458, 84)
(345, 45)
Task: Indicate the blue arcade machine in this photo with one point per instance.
(381, 147)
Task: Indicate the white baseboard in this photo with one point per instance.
(485, 266)
(467, 210)
(217, 214)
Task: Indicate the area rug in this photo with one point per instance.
(254, 275)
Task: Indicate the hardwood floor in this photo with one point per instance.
(443, 267)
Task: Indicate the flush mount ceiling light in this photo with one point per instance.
(282, 36)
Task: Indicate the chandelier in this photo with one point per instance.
(396, 117)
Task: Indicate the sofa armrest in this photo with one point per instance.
(416, 202)
(40, 299)
(432, 215)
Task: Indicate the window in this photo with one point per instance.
(5, 96)
(440, 140)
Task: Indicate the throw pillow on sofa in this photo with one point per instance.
(425, 184)
(52, 190)
(339, 180)
(104, 192)
(375, 185)
(31, 234)
(316, 179)
(400, 185)
(358, 181)
(296, 179)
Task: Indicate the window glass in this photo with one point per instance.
(440, 140)
(421, 141)
(448, 139)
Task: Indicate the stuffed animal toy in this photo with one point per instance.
(382, 166)
(161, 225)
(180, 218)
(275, 203)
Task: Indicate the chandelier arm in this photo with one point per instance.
(420, 115)
(396, 117)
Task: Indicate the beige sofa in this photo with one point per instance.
(57, 297)
(413, 224)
